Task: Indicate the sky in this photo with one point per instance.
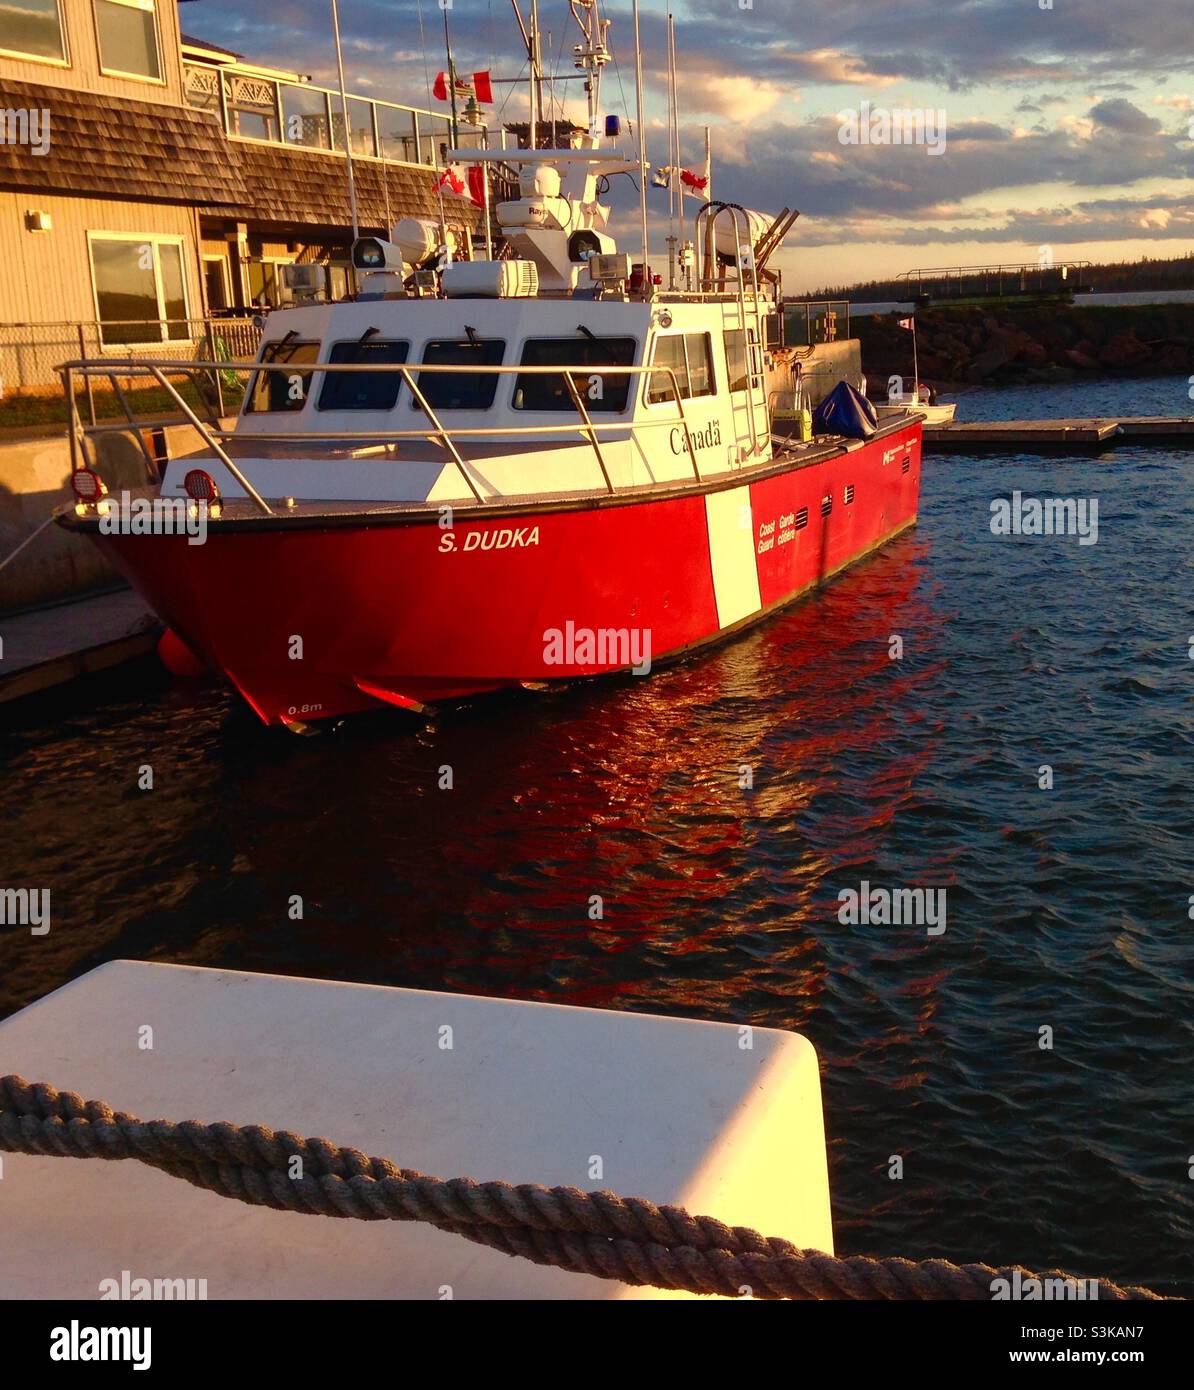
(1067, 124)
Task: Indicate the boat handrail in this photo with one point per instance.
(707, 281)
(214, 436)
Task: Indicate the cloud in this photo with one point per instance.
(1120, 114)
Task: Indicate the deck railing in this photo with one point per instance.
(215, 435)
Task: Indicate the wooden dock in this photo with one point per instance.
(1048, 436)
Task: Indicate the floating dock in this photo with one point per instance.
(723, 1120)
(1048, 436)
(50, 646)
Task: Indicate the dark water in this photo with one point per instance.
(1067, 908)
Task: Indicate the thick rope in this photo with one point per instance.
(624, 1238)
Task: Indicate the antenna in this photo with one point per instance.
(648, 288)
(675, 186)
(352, 183)
(536, 92)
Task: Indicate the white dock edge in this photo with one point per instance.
(675, 1111)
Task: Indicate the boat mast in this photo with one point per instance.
(675, 197)
(592, 55)
(451, 82)
(352, 184)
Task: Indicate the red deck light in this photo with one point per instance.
(87, 485)
(200, 486)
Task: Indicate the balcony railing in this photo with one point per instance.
(301, 116)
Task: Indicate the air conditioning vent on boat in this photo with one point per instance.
(848, 495)
(802, 518)
(906, 465)
(491, 280)
(826, 504)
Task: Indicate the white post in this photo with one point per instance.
(352, 186)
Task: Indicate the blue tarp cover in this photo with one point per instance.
(847, 412)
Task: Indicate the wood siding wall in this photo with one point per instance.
(46, 276)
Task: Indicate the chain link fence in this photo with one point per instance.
(31, 392)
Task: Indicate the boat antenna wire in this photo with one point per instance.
(352, 186)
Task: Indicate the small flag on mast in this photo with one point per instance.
(907, 323)
(480, 86)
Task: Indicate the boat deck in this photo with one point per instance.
(452, 1085)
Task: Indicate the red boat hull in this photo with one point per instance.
(310, 622)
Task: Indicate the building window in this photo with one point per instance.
(305, 117)
(140, 289)
(690, 356)
(360, 118)
(459, 390)
(128, 38)
(363, 390)
(33, 29)
(282, 391)
(539, 391)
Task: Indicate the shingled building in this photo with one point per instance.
(148, 179)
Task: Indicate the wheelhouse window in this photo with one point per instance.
(364, 390)
(742, 372)
(128, 38)
(458, 390)
(541, 391)
(33, 29)
(690, 356)
(140, 289)
(283, 391)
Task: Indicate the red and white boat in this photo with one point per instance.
(507, 472)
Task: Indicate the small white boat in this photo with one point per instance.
(936, 414)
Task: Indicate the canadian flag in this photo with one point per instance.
(907, 323)
(457, 181)
(481, 87)
(698, 182)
